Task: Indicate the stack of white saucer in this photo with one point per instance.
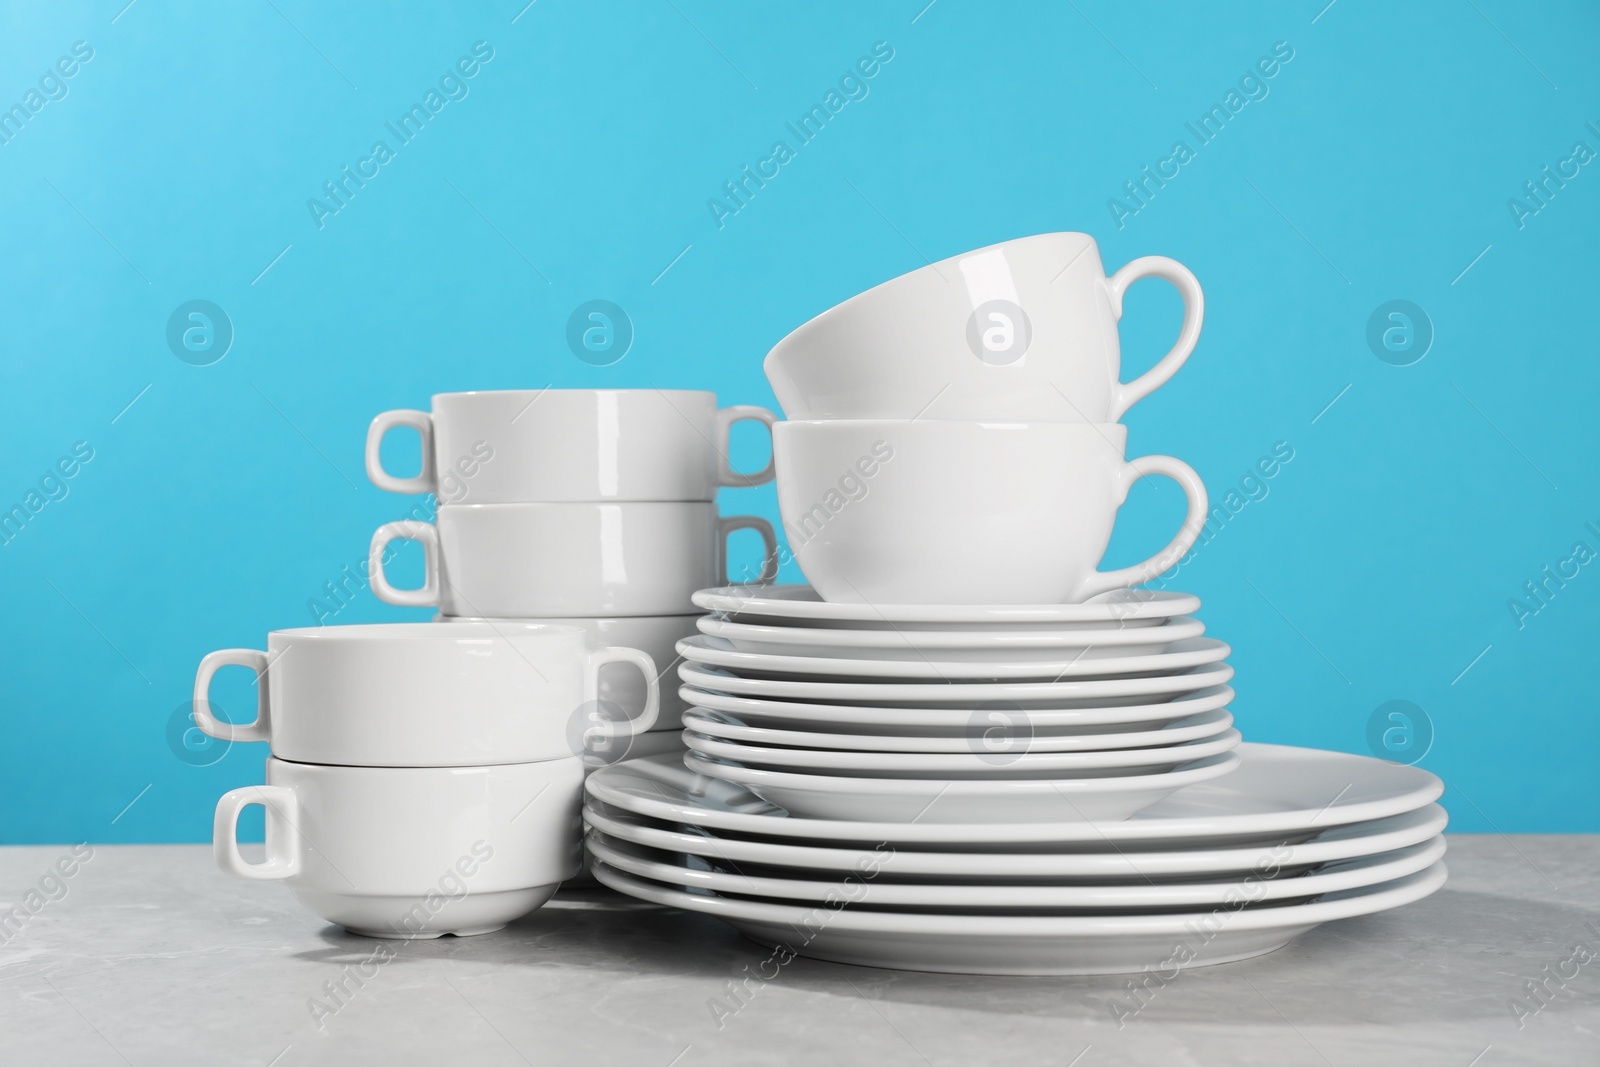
(963, 747)
(593, 508)
(956, 713)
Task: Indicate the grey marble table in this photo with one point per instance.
(152, 956)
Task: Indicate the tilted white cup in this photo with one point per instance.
(420, 695)
(524, 445)
(412, 852)
(620, 687)
(928, 512)
(1022, 330)
(509, 561)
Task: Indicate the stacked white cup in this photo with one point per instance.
(953, 434)
(423, 779)
(593, 508)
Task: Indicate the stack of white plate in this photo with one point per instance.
(956, 714)
(1216, 871)
(1040, 789)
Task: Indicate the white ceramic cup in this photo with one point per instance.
(419, 695)
(655, 635)
(928, 512)
(509, 561)
(412, 852)
(1022, 330)
(565, 445)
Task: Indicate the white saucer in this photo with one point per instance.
(715, 652)
(1021, 861)
(1277, 793)
(1113, 795)
(972, 765)
(872, 886)
(1018, 735)
(1023, 945)
(1077, 692)
(986, 646)
(800, 602)
(849, 719)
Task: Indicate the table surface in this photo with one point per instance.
(153, 956)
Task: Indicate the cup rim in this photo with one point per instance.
(1114, 432)
(530, 505)
(463, 393)
(393, 632)
(899, 280)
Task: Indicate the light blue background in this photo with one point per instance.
(1379, 167)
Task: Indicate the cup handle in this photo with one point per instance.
(652, 684)
(427, 595)
(281, 805)
(1127, 394)
(258, 729)
(422, 422)
(726, 417)
(769, 565)
(1193, 488)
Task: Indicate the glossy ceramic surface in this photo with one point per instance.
(421, 695)
(1277, 792)
(995, 733)
(846, 720)
(1181, 655)
(1029, 945)
(1025, 861)
(654, 635)
(966, 512)
(802, 604)
(878, 891)
(1024, 329)
(412, 851)
(541, 560)
(1115, 795)
(1086, 692)
(1009, 756)
(976, 646)
(515, 446)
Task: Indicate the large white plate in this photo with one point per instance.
(995, 734)
(715, 652)
(986, 646)
(1109, 795)
(1078, 692)
(869, 887)
(1188, 864)
(1080, 718)
(1130, 607)
(974, 764)
(1029, 945)
(1276, 793)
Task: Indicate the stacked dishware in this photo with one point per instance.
(1216, 871)
(963, 747)
(953, 433)
(593, 508)
(423, 778)
(956, 714)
